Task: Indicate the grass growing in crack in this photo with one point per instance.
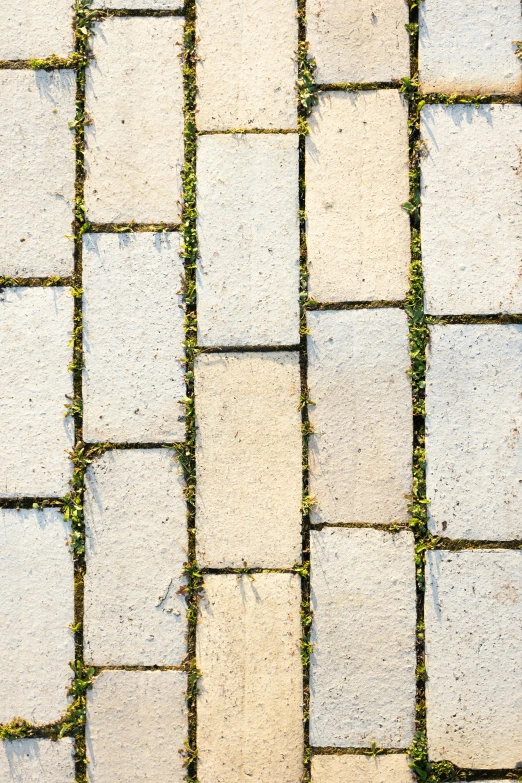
(306, 86)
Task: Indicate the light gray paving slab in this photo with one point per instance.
(37, 761)
(35, 29)
(150, 5)
(361, 769)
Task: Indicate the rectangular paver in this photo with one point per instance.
(136, 528)
(246, 66)
(33, 29)
(358, 40)
(133, 334)
(150, 5)
(361, 769)
(37, 173)
(136, 726)
(360, 451)
(474, 655)
(248, 230)
(362, 676)
(470, 47)
(35, 386)
(37, 761)
(36, 608)
(248, 460)
(471, 209)
(358, 235)
(134, 97)
(250, 722)
(473, 425)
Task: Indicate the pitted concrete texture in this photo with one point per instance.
(362, 769)
(474, 657)
(362, 675)
(37, 761)
(473, 425)
(37, 172)
(250, 721)
(136, 529)
(358, 235)
(134, 97)
(136, 726)
(35, 386)
(248, 228)
(150, 5)
(133, 333)
(36, 610)
(253, 85)
(34, 29)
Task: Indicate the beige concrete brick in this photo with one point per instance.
(360, 452)
(253, 86)
(37, 761)
(136, 529)
(361, 769)
(36, 608)
(250, 723)
(37, 173)
(358, 235)
(248, 228)
(134, 96)
(471, 254)
(35, 384)
(469, 48)
(133, 334)
(136, 726)
(362, 676)
(473, 425)
(34, 29)
(248, 460)
(474, 654)
(358, 40)
(150, 5)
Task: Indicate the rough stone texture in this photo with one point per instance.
(361, 769)
(35, 330)
(136, 530)
(36, 608)
(358, 235)
(33, 29)
(250, 721)
(360, 452)
(151, 5)
(37, 173)
(133, 330)
(473, 425)
(253, 84)
(37, 761)
(474, 655)
(248, 229)
(134, 95)
(469, 48)
(358, 40)
(471, 209)
(362, 675)
(248, 460)
(136, 724)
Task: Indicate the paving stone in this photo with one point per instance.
(134, 96)
(471, 51)
(36, 608)
(136, 726)
(35, 29)
(133, 334)
(136, 530)
(361, 769)
(358, 235)
(37, 761)
(37, 174)
(35, 385)
(362, 675)
(248, 460)
(474, 654)
(471, 210)
(360, 452)
(250, 721)
(253, 86)
(248, 228)
(473, 425)
(358, 40)
(151, 5)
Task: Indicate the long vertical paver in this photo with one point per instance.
(361, 769)
(37, 761)
(136, 5)
(35, 29)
